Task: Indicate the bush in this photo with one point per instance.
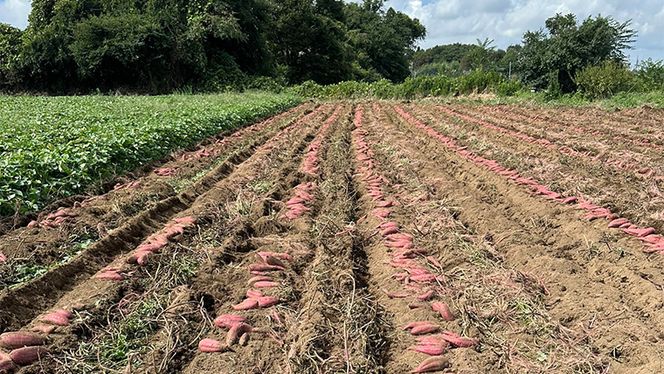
(509, 88)
(478, 81)
(650, 75)
(605, 80)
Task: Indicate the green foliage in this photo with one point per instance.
(475, 82)
(10, 43)
(650, 75)
(605, 80)
(65, 144)
(553, 59)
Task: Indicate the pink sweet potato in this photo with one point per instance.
(265, 267)
(6, 363)
(247, 304)
(426, 296)
(11, 340)
(443, 310)
(228, 320)
(211, 346)
(267, 301)
(253, 294)
(424, 329)
(457, 340)
(3, 258)
(44, 329)
(258, 278)
(236, 332)
(58, 318)
(432, 364)
(27, 355)
(266, 284)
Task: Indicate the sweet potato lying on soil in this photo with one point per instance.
(11, 340)
(236, 332)
(3, 258)
(27, 355)
(457, 340)
(266, 284)
(247, 304)
(253, 294)
(59, 318)
(6, 362)
(432, 364)
(211, 346)
(443, 310)
(421, 327)
(267, 301)
(258, 278)
(265, 267)
(228, 320)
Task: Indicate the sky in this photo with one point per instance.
(505, 21)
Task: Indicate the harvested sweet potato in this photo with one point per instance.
(27, 355)
(432, 364)
(236, 332)
(247, 304)
(211, 346)
(228, 320)
(6, 363)
(443, 310)
(18, 339)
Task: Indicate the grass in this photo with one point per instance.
(16, 272)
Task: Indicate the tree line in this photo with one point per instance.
(556, 57)
(164, 45)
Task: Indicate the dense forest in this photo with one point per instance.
(162, 45)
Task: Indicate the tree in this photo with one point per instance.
(554, 57)
(383, 41)
(10, 44)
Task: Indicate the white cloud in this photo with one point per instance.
(15, 12)
(450, 21)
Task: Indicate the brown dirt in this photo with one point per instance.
(532, 286)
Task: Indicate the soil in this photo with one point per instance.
(364, 223)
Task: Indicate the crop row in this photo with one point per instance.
(55, 147)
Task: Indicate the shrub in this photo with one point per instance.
(605, 80)
(650, 75)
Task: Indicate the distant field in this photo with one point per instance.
(51, 147)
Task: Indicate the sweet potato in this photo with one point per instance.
(265, 267)
(457, 340)
(44, 329)
(228, 320)
(211, 346)
(431, 348)
(618, 222)
(443, 310)
(58, 318)
(27, 355)
(424, 329)
(112, 275)
(247, 304)
(18, 339)
(432, 364)
(253, 294)
(267, 301)
(6, 363)
(426, 296)
(258, 278)
(266, 284)
(3, 258)
(236, 332)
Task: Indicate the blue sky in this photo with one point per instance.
(505, 21)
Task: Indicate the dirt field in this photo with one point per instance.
(373, 237)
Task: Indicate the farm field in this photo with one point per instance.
(357, 237)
